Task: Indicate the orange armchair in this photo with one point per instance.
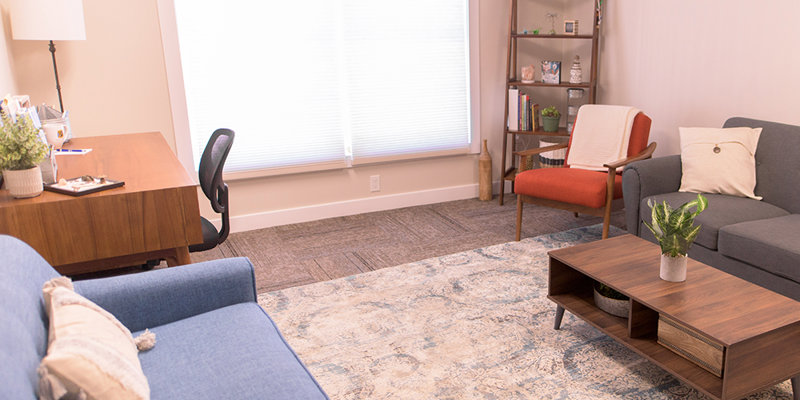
(580, 190)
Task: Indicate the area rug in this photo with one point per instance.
(471, 325)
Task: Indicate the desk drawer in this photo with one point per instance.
(691, 345)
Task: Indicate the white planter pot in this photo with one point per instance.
(673, 269)
(24, 183)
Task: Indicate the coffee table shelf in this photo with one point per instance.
(758, 328)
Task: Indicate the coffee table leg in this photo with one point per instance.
(796, 387)
(560, 315)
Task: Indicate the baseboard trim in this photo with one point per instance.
(241, 223)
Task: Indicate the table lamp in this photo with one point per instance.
(48, 20)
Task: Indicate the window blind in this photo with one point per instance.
(323, 82)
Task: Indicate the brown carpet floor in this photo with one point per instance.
(299, 254)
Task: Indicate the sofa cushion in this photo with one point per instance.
(771, 244)
(718, 160)
(235, 352)
(22, 317)
(90, 352)
(722, 210)
(777, 180)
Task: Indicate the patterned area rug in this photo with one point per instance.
(471, 325)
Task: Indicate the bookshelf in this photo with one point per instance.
(513, 81)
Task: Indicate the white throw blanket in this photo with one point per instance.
(600, 136)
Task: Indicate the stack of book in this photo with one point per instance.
(523, 112)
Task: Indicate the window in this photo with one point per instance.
(320, 84)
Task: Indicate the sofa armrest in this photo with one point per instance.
(646, 178)
(161, 296)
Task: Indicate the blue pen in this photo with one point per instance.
(70, 150)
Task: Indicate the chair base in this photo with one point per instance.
(604, 212)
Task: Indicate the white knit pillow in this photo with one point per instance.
(91, 354)
(719, 160)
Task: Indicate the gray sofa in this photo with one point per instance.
(755, 240)
(213, 341)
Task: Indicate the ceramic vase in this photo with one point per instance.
(485, 171)
(550, 124)
(673, 269)
(24, 183)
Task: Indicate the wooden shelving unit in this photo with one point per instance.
(510, 171)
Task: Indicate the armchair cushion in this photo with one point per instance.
(570, 185)
(722, 210)
(235, 352)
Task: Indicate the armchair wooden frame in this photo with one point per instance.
(605, 211)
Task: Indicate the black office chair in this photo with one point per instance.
(211, 165)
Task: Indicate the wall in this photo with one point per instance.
(8, 82)
(696, 63)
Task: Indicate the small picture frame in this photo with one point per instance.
(571, 27)
(551, 72)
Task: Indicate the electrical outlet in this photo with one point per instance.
(375, 183)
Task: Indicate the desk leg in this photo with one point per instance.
(181, 257)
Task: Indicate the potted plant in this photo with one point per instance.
(21, 151)
(675, 232)
(550, 118)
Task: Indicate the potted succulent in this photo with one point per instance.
(21, 151)
(675, 232)
(550, 118)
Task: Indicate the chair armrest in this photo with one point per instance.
(645, 154)
(646, 178)
(161, 296)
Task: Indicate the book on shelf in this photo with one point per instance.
(513, 109)
(523, 111)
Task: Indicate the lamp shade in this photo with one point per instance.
(47, 20)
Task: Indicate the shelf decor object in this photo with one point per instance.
(48, 20)
(514, 83)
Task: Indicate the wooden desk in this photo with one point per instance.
(155, 215)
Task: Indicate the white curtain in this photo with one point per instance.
(323, 82)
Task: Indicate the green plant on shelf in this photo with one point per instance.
(551, 111)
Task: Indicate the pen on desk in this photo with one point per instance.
(70, 150)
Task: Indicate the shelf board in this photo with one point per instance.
(547, 36)
(585, 85)
(582, 305)
(562, 132)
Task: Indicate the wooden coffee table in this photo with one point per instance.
(759, 330)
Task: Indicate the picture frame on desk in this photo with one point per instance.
(551, 72)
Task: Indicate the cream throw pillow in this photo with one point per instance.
(719, 160)
(91, 354)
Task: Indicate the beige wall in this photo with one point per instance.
(696, 63)
(8, 82)
(684, 62)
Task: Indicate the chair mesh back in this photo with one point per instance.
(213, 162)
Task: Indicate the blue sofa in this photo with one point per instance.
(213, 340)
